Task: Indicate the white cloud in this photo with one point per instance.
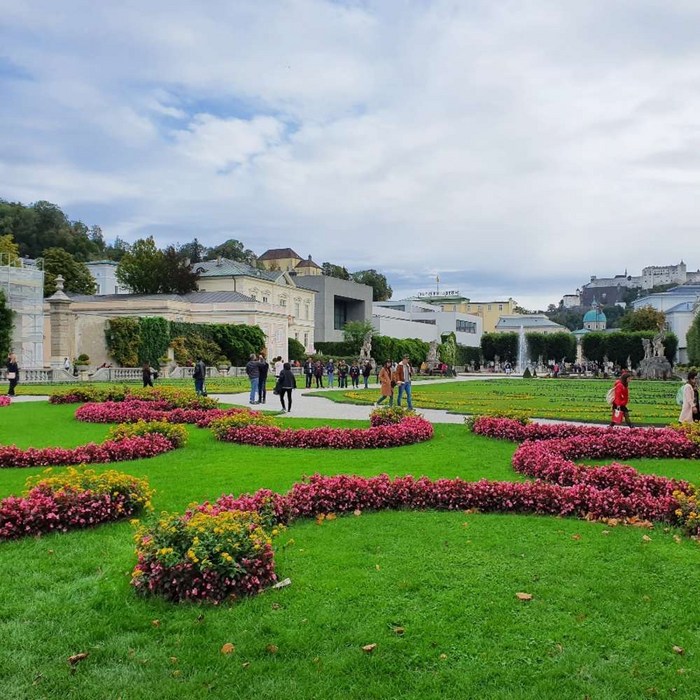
(523, 145)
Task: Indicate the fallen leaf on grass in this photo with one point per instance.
(377, 567)
(523, 596)
(357, 512)
(283, 583)
(677, 539)
(77, 658)
(576, 537)
(369, 648)
(271, 648)
(331, 516)
(245, 664)
(176, 673)
(646, 538)
(678, 650)
(155, 623)
(443, 657)
(605, 532)
(228, 648)
(276, 606)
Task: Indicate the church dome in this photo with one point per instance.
(594, 316)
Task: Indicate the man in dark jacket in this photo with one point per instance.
(253, 371)
(308, 371)
(199, 374)
(262, 385)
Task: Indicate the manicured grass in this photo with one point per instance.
(606, 612)
(651, 403)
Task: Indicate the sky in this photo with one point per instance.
(513, 148)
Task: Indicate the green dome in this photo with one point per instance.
(595, 316)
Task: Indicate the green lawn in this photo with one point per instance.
(606, 612)
(651, 403)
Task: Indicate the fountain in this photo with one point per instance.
(522, 351)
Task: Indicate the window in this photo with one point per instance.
(340, 315)
(306, 340)
(306, 311)
(296, 335)
(283, 302)
(466, 326)
(500, 307)
(489, 307)
(297, 308)
(264, 299)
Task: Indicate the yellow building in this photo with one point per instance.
(489, 311)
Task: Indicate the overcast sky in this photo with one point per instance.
(513, 147)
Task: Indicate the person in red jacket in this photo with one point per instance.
(622, 397)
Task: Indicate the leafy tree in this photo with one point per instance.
(505, 345)
(447, 350)
(331, 270)
(295, 350)
(140, 268)
(177, 274)
(117, 250)
(613, 314)
(693, 341)
(233, 250)
(569, 318)
(194, 250)
(76, 274)
(5, 326)
(9, 250)
(381, 289)
(645, 319)
(354, 332)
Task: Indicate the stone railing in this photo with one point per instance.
(40, 376)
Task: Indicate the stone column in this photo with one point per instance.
(62, 321)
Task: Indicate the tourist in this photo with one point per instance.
(308, 371)
(366, 371)
(330, 372)
(318, 374)
(279, 365)
(286, 383)
(342, 374)
(66, 364)
(252, 369)
(689, 411)
(148, 374)
(404, 374)
(199, 374)
(387, 384)
(621, 399)
(12, 373)
(262, 384)
(355, 375)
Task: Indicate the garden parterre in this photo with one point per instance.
(316, 623)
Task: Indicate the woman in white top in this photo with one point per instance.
(689, 411)
(279, 366)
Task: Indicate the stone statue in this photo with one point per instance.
(658, 343)
(646, 343)
(366, 350)
(432, 352)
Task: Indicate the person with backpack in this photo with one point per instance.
(620, 399)
(199, 374)
(689, 403)
(252, 369)
(286, 383)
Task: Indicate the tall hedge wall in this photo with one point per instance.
(618, 346)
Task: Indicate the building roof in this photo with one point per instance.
(684, 306)
(102, 262)
(279, 254)
(223, 267)
(527, 321)
(307, 263)
(192, 297)
(594, 316)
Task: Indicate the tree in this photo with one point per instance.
(194, 250)
(232, 249)
(76, 275)
(145, 269)
(295, 350)
(381, 289)
(355, 331)
(331, 270)
(693, 341)
(117, 250)
(645, 319)
(9, 251)
(140, 268)
(5, 326)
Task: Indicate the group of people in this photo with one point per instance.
(392, 376)
(317, 370)
(257, 370)
(690, 405)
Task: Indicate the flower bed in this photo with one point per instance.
(122, 447)
(167, 397)
(204, 555)
(410, 430)
(560, 488)
(72, 500)
(5, 401)
(134, 410)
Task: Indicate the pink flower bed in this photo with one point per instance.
(138, 447)
(133, 411)
(5, 401)
(410, 430)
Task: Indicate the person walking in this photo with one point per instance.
(12, 373)
(330, 372)
(387, 384)
(355, 374)
(66, 364)
(621, 399)
(366, 372)
(689, 411)
(404, 374)
(318, 374)
(199, 375)
(286, 383)
(262, 385)
(342, 375)
(147, 373)
(308, 371)
(279, 366)
(252, 369)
